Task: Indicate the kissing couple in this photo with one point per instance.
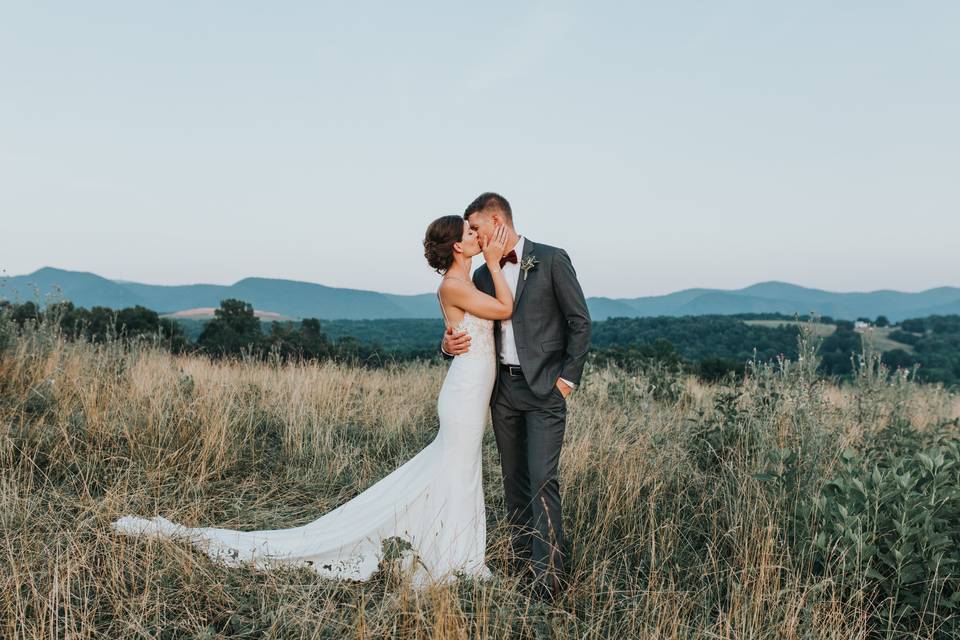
(517, 334)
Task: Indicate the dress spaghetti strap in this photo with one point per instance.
(446, 320)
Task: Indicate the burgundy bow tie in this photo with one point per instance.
(510, 257)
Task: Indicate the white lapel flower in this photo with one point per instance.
(529, 262)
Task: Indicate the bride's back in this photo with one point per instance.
(479, 329)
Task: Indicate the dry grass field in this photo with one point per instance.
(671, 535)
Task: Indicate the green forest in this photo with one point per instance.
(711, 346)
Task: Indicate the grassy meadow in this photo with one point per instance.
(780, 506)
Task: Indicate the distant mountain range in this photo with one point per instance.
(308, 300)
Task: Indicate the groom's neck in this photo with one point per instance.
(512, 242)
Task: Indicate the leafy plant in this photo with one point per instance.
(889, 523)
(719, 438)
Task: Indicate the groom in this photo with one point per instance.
(542, 349)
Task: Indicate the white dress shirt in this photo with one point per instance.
(508, 344)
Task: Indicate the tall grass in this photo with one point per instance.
(687, 511)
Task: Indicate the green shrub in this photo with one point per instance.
(724, 437)
(889, 523)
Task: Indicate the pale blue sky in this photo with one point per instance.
(665, 145)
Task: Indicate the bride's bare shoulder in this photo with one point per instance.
(452, 288)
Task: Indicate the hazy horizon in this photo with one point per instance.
(335, 285)
(665, 147)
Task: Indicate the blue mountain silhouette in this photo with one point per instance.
(309, 300)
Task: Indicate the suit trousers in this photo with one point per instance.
(529, 432)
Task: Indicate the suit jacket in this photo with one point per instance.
(551, 323)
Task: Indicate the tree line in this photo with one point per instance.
(711, 346)
(234, 331)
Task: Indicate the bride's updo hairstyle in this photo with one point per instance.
(438, 243)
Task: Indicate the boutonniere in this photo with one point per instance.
(529, 262)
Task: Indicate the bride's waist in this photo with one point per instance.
(480, 357)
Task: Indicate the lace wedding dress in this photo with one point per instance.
(434, 501)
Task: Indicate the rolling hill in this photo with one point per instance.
(298, 299)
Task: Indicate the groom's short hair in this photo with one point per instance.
(489, 200)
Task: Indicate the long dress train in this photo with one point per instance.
(434, 501)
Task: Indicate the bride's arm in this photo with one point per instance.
(463, 296)
(475, 301)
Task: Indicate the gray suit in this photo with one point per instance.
(551, 327)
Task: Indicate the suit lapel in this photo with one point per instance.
(521, 281)
(486, 281)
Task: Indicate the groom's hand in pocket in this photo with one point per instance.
(564, 387)
(457, 343)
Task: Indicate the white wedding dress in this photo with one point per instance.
(434, 501)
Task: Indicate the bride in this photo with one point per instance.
(434, 501)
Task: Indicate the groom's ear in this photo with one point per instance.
(499, 217)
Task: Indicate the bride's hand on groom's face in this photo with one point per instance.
(495, 246)
(456, 343)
